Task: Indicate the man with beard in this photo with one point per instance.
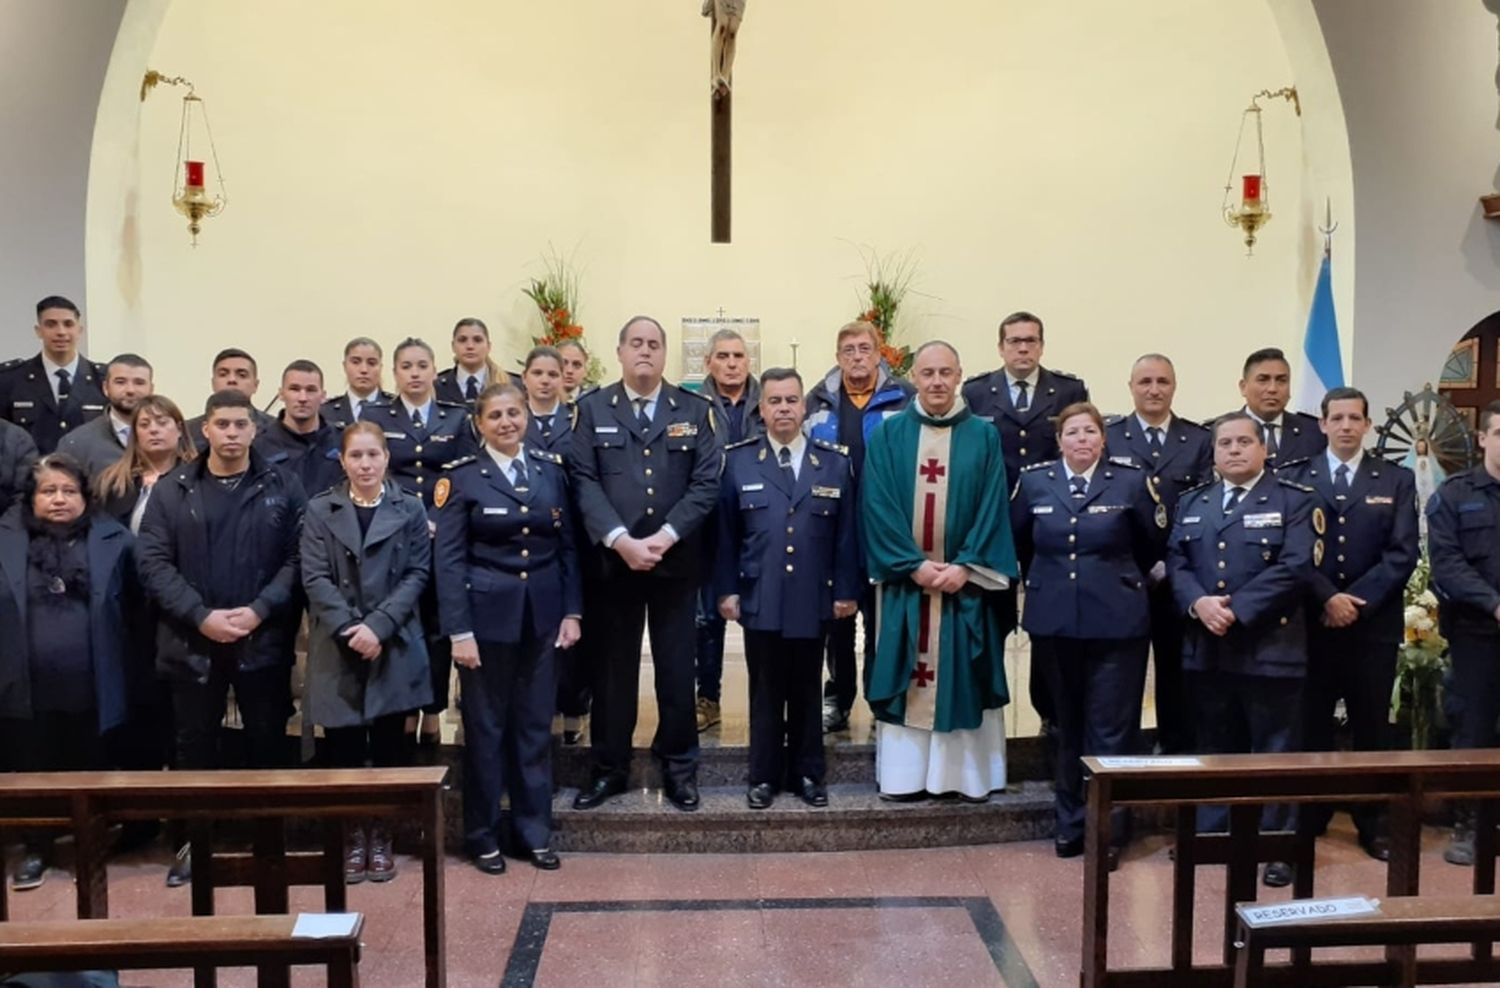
(101, 441)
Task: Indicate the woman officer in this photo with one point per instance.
(508, 596)
(1095, 532)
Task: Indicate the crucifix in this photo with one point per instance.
(724, 24)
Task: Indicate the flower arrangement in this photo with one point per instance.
(556, 298)
(1422, 659)
(888, 281)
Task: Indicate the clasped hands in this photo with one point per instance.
(642, 555)
(729, 608)
(942, 577)
(229, 624)
(1214, 614)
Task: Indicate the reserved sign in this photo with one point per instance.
(1151, 761)
(1301, 910)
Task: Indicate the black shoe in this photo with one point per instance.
(813, 793)
(545, 859)
(30, 872)
(906, 797)
(492, 863)
(1377, 847)
(1278, 875)
(1068, 848)
(834, 719)
(598, 792)
(760, 796)
(181, 872)
(683, 795)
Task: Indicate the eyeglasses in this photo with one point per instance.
(1022, 341)
(856, 350)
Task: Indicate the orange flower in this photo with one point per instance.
(571, 332)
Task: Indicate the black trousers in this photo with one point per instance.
(51, 742)
(1348, 664)
(638, 602)
(380, 744)
(1238, 714)
(1174, 725)
(786, 717)
(842, 686)
(507, 714)
(265, 701)
(1476, 688)
(1095, 686)
(578, 666)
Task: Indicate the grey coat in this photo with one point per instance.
(377, 581)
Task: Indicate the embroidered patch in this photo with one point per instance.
(1377, 499)
(682, 430)
(1161, 516)
(1266, 519)
(833, 492)
(441, 491)
(1320, 522)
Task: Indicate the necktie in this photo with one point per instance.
(64, 384)
(640, 414)
(416, 419)
(1341, 481)
(471, 392)
(518, 474)
(1235, 495)
(1153, 439)
(355, 407)
(544, 424)
(1271, 444)
(1080, 486)
(1021, 403)
(785, 459)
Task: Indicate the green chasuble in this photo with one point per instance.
(936, 489)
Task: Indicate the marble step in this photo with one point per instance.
(642, 821)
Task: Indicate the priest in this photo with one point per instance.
(937, 540)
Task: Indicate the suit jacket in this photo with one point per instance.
(1261, 555)
(26, 399)
(787, 546)
(95, 444)
(1370, 541)
(1027, 437)
(337, 413)
(638, 480)
(506, 556)
(1185, 460)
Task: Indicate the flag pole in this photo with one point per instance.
(1328, 227)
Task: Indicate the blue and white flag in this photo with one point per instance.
(1323, 364)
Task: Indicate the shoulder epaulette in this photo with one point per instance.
(12, 363)
(446, 375)
(1064, 374)
(832, 447)
(1193, 490)
(1284, 482)
(1303, 415)
(1110, 420)
(1190, 424)
(1039, 466)
(1123, 461)
(461, 461)
(742, 443)
(978, 377)
(587, 390)
(444, 403)
(544, 454)
(1299, 461)
(1454, 478)
(696, 394)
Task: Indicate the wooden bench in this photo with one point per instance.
(1403, 781)
(86, 803)
(175, 943)
(1402, 920)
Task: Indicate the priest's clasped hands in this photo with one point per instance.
(942, 577)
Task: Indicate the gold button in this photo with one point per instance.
(1223, 546)
(650, 511)
(523, 574)
(525, 553)
(650, 492)
(830, 583)
(791, 511)
(1072, 556)
(1223, 564)
(525, 531)
(1073, 520)
(418, 448)
(1072, 576)
(790, 530)
(1341, 519)
(421, 479)
(524, 509)
(648, 471)
(1283, 620)
(1072, 539)
(1023, 433)
(1265, 541)
(1221, 584)
(1341, 539)
(788, 567)
(1341, 558)
(1023, 450)
(646, 451)
(790, 549)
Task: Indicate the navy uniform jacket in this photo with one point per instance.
(26, 399)
(556, 436)
(446, 386)
(1261, 555)
(1463, 543)
(1299, 438)
(505, 557)
(1030, 437)
(338, 414)
(1370, 547)
(418, 455)
(1185, 460)
(1089, 555)
(788, 549)
(666, 475)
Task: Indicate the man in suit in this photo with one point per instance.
(646, 465)
(57, 390)
(100, 442)
(1266, 386)
(1240, 558)
(363, 359)
(1022, 398)
(786, 565)
(1356, 614)
(233, 370)
(1178, 456)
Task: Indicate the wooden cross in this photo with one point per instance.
(721, 112)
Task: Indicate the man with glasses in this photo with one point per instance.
(844, 408)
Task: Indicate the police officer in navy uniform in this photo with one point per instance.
(1094, 530)
(1266, 386)
(1240, 558)
(58, 389)
(552, 416)
(363, 358)
(1177, 455)
(509, 594)
(646, 475)
(1356, 611)
(1463, 541)
(473, 369)
(423, 433)
(787, 563)
(1021, 398)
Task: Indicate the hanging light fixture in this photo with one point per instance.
(1254, 209)
(191, 195)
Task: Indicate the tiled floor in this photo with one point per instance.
(997, 915)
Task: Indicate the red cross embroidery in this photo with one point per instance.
(922, 674)
(932, 470)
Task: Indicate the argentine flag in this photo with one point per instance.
(1323, 364)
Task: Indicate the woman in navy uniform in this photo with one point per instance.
(473, 369)
(552, 416)
(1094, 530)
(509, 595)
(423, 433)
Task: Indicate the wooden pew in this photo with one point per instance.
(1402, 920)
(1404, 781)
(175, 943)
(86, 803)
